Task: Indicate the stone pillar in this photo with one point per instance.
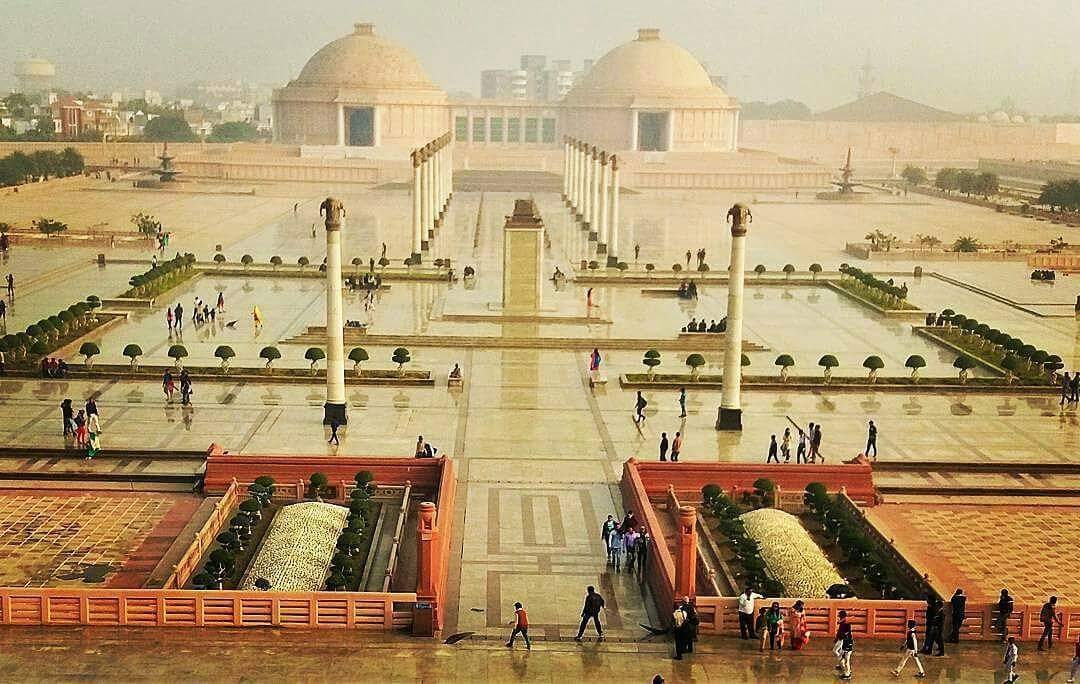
(593, 217)
(613, 213)
(341, 125)
(671, 130)
(686, 561)
(418, 242)
(427, 570)
(429, 188)
(582, 183)
(425, 200)
(602, 205)
(523, 259)
(735, 131)
(729, 416)
(334, 409)
(565, 168)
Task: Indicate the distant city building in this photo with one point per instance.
(77, 117)
(533, 81)
(152, 98)
(34, 75)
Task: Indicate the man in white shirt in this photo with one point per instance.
(746, 613)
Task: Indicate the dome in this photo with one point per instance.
(999, 117)
(365, 60)
(647, 68)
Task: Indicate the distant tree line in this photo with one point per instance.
(967, 182)
(1061, 194)
(791, 110)
(19, 167)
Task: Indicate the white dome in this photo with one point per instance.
(365, 60)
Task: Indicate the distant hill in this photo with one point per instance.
(886, 107)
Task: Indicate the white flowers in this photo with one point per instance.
(298, 547)
(790, 553)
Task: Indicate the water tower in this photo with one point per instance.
(34, 75)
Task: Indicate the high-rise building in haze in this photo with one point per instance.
(535, 80)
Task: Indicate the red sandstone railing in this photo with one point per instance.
(178, 608)
(660, 566)
(205, 538)
(444, 525)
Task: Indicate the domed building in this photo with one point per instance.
(651, 95)
(360, 90)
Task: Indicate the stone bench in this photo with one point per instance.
(698, 335)
(456, 382)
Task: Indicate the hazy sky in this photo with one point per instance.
(956, 54)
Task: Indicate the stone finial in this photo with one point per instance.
(614, 162)
(427, 515)
(363, 29)
(648, 34)
(603, 158)
(739, 217)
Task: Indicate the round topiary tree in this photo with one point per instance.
(651, 361)
(915, 362)
(89, 350)
(302, 262)
(401, 357)
(219, 259)
(1038, 358)
(318, 483)
(271, 354)
(710, 493)
(39, 349)
(649, 268)
(178, 353)
(695, 361)
(358, 355)
(1012, 365)
(828, 362)
(759, 270)
(314, 355)
(224, 352)
(275, 261)
(247, 260)
(676, 268)
(788, 270)
(744, 361)
(964, 363)
(814, 270)
(873, 364)
(785, 362)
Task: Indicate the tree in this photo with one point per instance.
(401, 357)
(314, 355)
(946, 180)
(915, 362)
(651, 361)
(178, 352)
(814, 270)
(219, 259)
(271, 354)
(964, 363)
(49, 226)
(744, 361)
(914, 175)
(302, 262)
(785, 362)
(966, 243)
(168, 128)
(89, 350)
(1012, 364)
(247, 260)
(986, 184)
(1061, 194)
(675, 268)
(133, 352)
(695, 361)
(233, 131)
(224, 352)
(357, 355)
(147, 224)
(928, 241)
(828, 362)
(759, 270)
(873, 364)
(275, 261)
(788, 270)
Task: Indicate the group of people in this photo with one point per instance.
(701, 327)
(168, 386)
(53, 368)
(772, 624)
(1070, 388)
(424, 449)
(807, 448)
(625, 538)
(700, 254)
(687, 290)
(83, 427)
(162, 238)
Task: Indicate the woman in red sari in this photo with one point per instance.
(799, 632)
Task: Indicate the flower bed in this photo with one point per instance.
(790, 553)
(298, 547)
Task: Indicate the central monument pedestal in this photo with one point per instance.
(523, 255)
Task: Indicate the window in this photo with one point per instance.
(461, 128)
(549, 131)
(479, 129)
(513, 130)
(530, 129)
(495, 129)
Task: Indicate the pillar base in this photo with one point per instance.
(593, 236)
(334, 412)
(612, 261)
(601, 248)
(424, 245)
(417, 257)
(584, 226)
(729, 419)
(579, 217)
(438, 221)
(430, 234)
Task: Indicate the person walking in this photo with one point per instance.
(185, 387)
(688, 258)
(520, 621)
(606, 528)
(221, 302)
(843, 630)
(11, 286)
(3, 311)
(663, 446)
(630, 540)
(1004, 612)
(615, 548)
(178, 316)
(1047, 617)
(847, 648)
(67, 414)
(911, 650)
(682, 402)
(678, 630)
(800, 633)
(334, 425)
(637, 251)
(800, 449)
(588, 298)
(168, 385)
(692, 622)
(785, 445)
(1075, 662)
(957, 606)
(93, 440)
(815, 445)
(772, 451)
(91, 407)
(935, 622)
(642, 546)
(746, 613)
(774, 623)
(169, 319)
(594, 603)
(639, 409)
(1009, 660)
(676, 447)
(80, 429)
(871, 439)
(1066, 389)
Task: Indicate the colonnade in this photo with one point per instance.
(432, 188)
(591, 192)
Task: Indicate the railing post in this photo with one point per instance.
(427, 567)
(686, 562)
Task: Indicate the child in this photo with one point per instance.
(1012, 653)
(847, 647)
(911, 650)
